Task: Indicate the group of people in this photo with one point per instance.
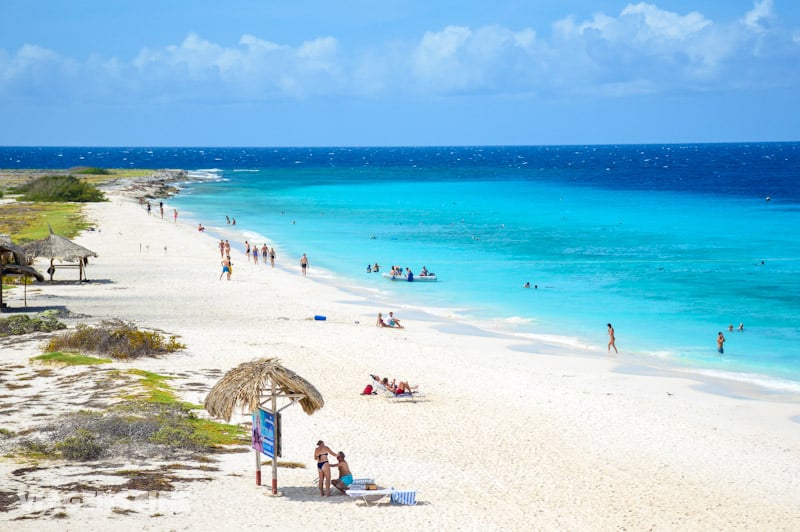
(321, 455)
(408, 275)
(721, 338)
(265, 251)
(390, 321)
(371, 268)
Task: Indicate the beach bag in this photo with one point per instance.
(367, 390)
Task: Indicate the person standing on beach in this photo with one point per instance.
(720, 343)
(323, 467)
(264, 253)
(272, 257)
(226, 267)
(175, 215)
(247, 250)
(611, 339)
(222, 249)
(227, 248)
(304, 264)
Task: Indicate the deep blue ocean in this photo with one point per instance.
(670, 243)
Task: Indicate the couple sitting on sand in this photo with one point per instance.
(391, 321)
(324, 468)
(397, 388)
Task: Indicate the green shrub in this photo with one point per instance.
(80, 446)
(90, 170)
(22, 324)
(60, 188)
(116, 339)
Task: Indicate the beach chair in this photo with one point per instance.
(370, 497)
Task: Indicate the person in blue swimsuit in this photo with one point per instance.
(345, 476)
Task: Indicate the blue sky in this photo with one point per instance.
(365, 73)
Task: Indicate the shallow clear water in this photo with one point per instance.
(669, 243)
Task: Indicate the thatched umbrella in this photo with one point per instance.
(58, 247)
(13, 262)
(249, 385)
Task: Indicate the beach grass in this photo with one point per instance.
(27, 221)
(70, 359)
(155, 387)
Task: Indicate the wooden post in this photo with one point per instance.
(276, 436)
(258, 467)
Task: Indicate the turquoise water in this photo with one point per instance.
(668, 269)
(670, 243)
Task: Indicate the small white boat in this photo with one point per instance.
(417, 278)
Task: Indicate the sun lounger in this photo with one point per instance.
(370, 496)
(403, 497)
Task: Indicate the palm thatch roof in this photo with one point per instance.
(57, 247)
(248, 384)
(13, 260)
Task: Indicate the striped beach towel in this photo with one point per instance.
(404, 497)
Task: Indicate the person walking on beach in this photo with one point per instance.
(272, 257)
(227, 267)
(720, 343)
(175, 215)
(611, 339)
(304, 264)
(264, 253)
(222, 249)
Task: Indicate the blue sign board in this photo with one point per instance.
(265, 436)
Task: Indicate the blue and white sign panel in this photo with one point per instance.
(263, 437)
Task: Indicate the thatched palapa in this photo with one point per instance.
(248, 384)
(57, 247)
(13, 262)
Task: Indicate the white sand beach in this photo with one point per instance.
(505, 435)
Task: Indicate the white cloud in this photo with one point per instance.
(642, 49)
(458, 58)
(755, 18)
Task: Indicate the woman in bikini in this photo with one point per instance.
(323, 467)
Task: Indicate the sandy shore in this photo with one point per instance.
(505, 437)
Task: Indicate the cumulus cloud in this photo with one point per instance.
(641, 49)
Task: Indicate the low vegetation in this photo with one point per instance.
(116, 339)
(23, 324)
(90, 170)
(146, 426)
(70, 359)
(28, 221)
(60, 188)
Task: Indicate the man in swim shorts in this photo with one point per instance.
(304, 264)
(345, 476)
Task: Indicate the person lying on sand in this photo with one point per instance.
(397, 388)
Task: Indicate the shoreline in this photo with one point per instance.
(553, 441)
(721, 381)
